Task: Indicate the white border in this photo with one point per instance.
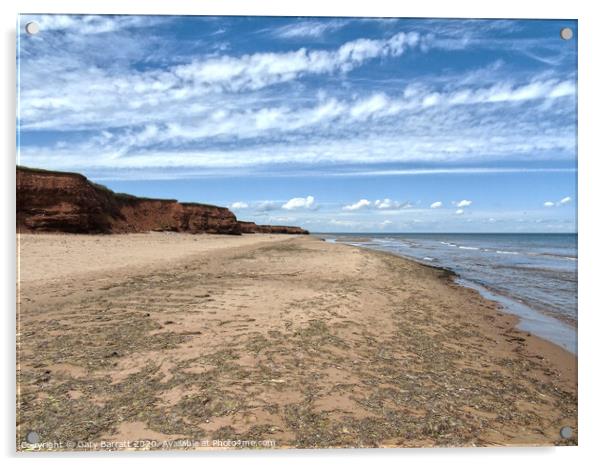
(590, 76)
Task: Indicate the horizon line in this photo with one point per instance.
(442, 233)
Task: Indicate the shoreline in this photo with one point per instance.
(545, 325)
(530, 320)
(290, 339)
(560, 356)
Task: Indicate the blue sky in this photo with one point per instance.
(334, 124)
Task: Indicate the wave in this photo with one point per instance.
(558, 256)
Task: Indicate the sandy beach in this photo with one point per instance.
(273, 340)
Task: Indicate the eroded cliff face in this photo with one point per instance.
(168, 215)
(252, 227)
(68, 202)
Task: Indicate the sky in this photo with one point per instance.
(332, 124)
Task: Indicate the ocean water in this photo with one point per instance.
(532, 275)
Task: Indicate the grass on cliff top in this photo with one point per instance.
(121, 196)
(48, 172)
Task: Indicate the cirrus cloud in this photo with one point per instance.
(307, 29)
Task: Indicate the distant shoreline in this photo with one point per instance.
(417, 233)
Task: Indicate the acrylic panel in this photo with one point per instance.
(287, 232)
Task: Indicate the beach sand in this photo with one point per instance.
(285, 341)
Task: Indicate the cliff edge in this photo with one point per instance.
(50, 201)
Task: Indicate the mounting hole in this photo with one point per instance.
(32, 437)
(32, 28)
(566, 33)
(566, 432)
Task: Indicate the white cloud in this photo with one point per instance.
(386, 223)
(239, 205)
(173, 120)
(107, 155)
(89, 24)
(113, 98)
(370, 106)
(459, 211)
(305, 29)
(463, 203)
(388, 204)
(299, 203)
(436, 205)
(358, 205)
(162, 94)
(258, 70)
(454, 136)
(564, 201)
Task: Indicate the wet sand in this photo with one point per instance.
(273, 341)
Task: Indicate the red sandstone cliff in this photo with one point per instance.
(252, 227)
(68, 202)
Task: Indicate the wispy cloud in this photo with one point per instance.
(453, 171)
(128, 101)
(308, 29)
(102, 99)
(92, 24)
(54, 112)
(469, 144)
(254, 71)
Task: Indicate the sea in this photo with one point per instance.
(533, 276)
